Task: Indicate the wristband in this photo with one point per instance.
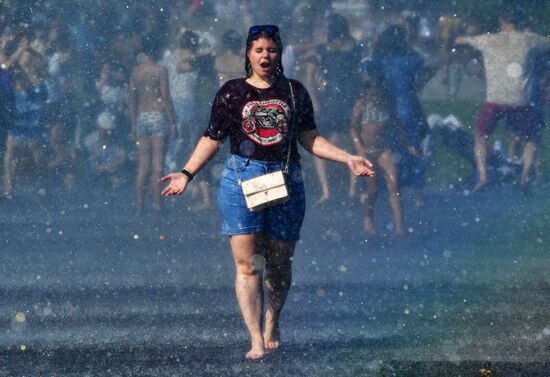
(187, 174)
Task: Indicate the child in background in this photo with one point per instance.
(375, 132)
(105, 156)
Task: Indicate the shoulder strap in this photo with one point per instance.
(292, 127)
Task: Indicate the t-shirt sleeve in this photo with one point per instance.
(220, 119)
(539, 39)
(479, 42)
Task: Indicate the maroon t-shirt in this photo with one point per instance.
(258, 121)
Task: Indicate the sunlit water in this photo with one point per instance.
(88, 288)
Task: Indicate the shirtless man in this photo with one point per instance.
(152, 119)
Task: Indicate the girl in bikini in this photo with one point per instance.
(375, 132)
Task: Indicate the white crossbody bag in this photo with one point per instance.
(269, 189)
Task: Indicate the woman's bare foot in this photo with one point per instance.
(524, 180)
(257, 351)
(272, 335)
(480, 185)
(323, 199)
(400, 231)
(368, 226)
(8, 192)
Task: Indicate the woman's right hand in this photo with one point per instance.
(177, 185)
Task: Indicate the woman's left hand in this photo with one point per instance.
(360, 166)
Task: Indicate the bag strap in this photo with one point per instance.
(292, 127)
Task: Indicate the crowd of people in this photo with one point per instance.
(87, 94)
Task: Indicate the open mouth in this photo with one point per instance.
(265, 65)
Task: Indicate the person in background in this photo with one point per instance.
(183, 84)
(208, 85)
(59, 109)
(152, 119)
(255, 112)
(105, 155)
(376, 132)
(332, 77)
(112, 87)
(29, 71)
(403, 70)
(229, 61)
(504, 58)
(9, 54)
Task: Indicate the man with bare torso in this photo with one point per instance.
(152, 118)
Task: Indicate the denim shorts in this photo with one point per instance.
(281, 222)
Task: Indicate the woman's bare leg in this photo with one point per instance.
(370, 199)
(528, 160)
(277, 282)
(204, 190)
(158, 156)
(390, 173)
(321, 169)
(247, 289)
(56, 143)
(144, 148)
(9, 165)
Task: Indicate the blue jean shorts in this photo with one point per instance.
(281, 222)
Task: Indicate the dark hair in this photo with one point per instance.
(232, 40)
(337, 27)
(151, 46)
(189, 40)
(515, 15)
(392, 41)
(275, 37)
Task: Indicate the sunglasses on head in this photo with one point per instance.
(270, 29)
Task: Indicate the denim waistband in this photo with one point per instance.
(259, 163)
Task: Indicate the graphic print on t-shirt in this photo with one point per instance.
(266, 122)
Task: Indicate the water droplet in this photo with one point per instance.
(258, 262)
(20, 317)
(514, 70)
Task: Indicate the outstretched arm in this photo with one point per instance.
(322, 148)
(206, 149)
(462, 40)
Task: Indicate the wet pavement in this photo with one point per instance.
(90, 289)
